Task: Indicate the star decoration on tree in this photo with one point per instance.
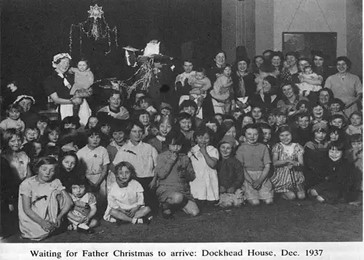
(95, 12)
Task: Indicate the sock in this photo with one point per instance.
(134, 220)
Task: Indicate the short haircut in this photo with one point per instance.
(44, 160)
(132, 124)
(345, 59)
(93, 131)
(128, 165)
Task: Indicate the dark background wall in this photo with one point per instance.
(33, 31)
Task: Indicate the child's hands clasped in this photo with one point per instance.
(48, 226)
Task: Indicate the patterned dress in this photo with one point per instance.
(285, 179)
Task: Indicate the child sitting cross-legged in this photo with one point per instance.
(125, 200)
(174, 171)
(81, 216)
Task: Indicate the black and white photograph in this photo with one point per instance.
(181, 129)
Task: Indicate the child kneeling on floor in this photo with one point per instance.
(174, 171)
(82, 215)
(125, 198)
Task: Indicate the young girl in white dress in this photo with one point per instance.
(204, 158)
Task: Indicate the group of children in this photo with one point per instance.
(126, 163)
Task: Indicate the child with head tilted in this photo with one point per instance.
(13, 119)
(288, 177)
(204, 157)
(174, 172)
(256, 161)
(96, 160)
(230, 174)
(199, 86)
(222, 91)
(310, 81)
(81, 216)
(356, 123)
(339, 180)
(125, 200)
(355, 156)
(43, 201)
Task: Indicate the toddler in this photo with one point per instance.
(199, 86)
(81, 216)
(31, 133)
(310, 81)
(43, 201)
(356, 124)
(13, 119)
(230, 174)
(125, 198)
(256, 161)
(204, 157)
(222, 91)
(174, 172)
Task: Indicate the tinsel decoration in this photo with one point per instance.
(95, 27)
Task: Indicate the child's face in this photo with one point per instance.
(251, 135)
(82, 65)
(144, 104)
(164, 128)
(236, 114)
(187, 66)
(303, 108)
(218, 118)
(105, 129)
(15, 143)
(144, 119)
(285, 137)
(246, 120)
(318, 112)
(69, 163)
(335, 154)
(53, 136)
(115, 101)
(190, 110)
(78, 190)
(14, 114)
(267, 135)
(225, 150)
(93, 141)
(37, 149)
(200, 75)
(165, 112)
(334, 107)
(355, 120)
(92, 122)
(280, 119)
(271, 120)
(119, 137)
(334, 136)
(41, 125)
(231, 132)
(185, 124)
(136, 134)
(338, 122)
(31, 135)
(319, 136)
(70, 126)
(203, 140)
(227, 71)
(357, 145)
(307, 70)
(123, 176)
(303, 122)
(46, 172)
(257, 113)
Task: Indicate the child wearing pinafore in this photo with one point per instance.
(204, 158)
(43, 201)
(256, 162)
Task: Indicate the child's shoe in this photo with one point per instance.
(83, 228)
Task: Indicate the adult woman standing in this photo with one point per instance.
(290, 73)
(218, 67)
(277, 62)
(290, 99)
(319, 65)
(57, 86)
(345, 86)
(243, 80)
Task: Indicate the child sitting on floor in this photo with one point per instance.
(125, 198)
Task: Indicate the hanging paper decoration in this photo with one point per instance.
(95, 27)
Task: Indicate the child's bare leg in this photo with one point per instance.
(191, 208)
(301, 195)
(268, 201)
(314, 193)
(289, 195)
(93, 223)
(120, 215)
(142, 212)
